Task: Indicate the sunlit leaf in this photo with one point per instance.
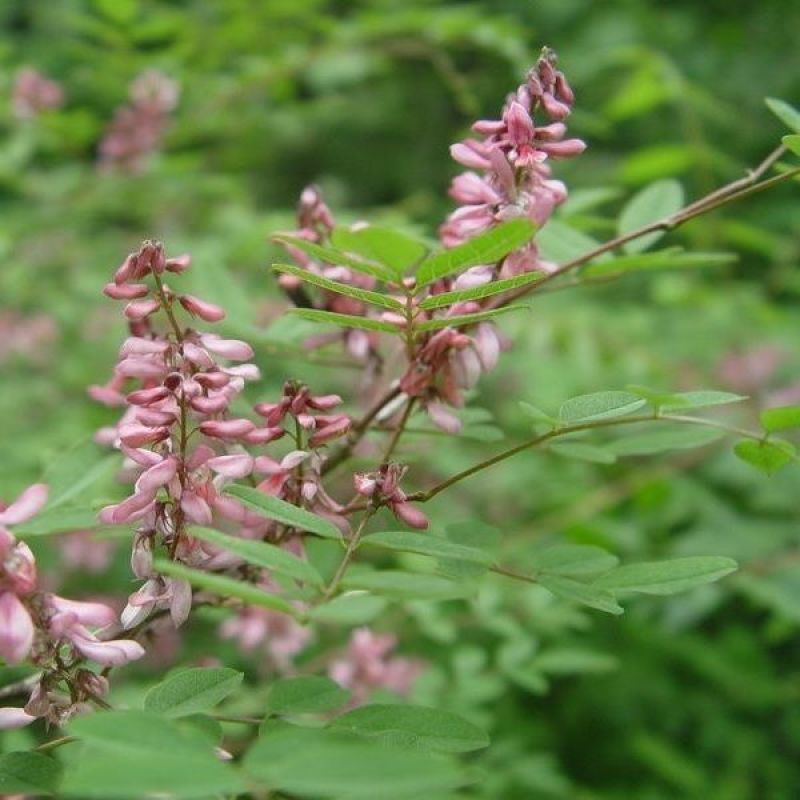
(780, 419)
(384, 245)
(486, 248)
(786, 113)
(767, 456)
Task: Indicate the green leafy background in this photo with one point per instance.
(682, 697)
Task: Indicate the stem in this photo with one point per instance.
(736, 190)
(55, 743)
(166, 305)
(421, 497)
(352, 546)
(399, 430)
(358, 430)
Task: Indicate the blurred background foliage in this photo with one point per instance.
(695, 696)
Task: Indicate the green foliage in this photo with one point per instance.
(307, 694)
(192, 690)
(655, 202)
(365, 98)
(29, 773)
(417, 727)
(286, 513)
(262, 554)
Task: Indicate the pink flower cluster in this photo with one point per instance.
(51, 631)
(137, 129)
(513, 155)
(368, 664)
(181, 445)
(33, 93)
(315, 224)
(383, 488)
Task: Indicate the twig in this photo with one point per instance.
(424, 496)
(742, 187)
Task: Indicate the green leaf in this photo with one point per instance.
(364, 295)
(768, 456)
(487, 248)
(330, 255)
(262, 554)
(668, 437)
(792, 142)
(666, 577)
(427, 545)
(559, 242)
(459, 320)
(787, 114)
(670, 258)
(98, 774)
(573, 559)
(479, 292)
(384, 245)
(308, 694)
(653, 203)
(135, 754)
(29, 773)
(413, 726)
(582, 593)
(599, 405)
(286, 513)
(329, 764)
(224, 586)
(699, 399)
(345, 320)
(406, 585)
(537, 415)
(780, 419)
(75, 470)
(352, 608)
(192, 690)
(583, 452)
(475, 535)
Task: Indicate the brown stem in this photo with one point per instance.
(424, 496)
(358, 430)
(352, 546)
(743, 187)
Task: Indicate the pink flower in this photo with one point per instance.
(200, 308)
(27, 505)
(368, 664)
(383, 487)
(16, 629)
